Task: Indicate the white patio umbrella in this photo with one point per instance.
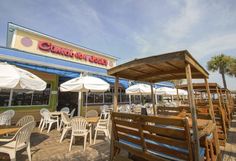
(166, 91)
(12, 77)
(182, 92)
(139, 89)
(85, 84)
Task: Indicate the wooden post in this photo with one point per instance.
(209, 100)
(221, 111)
(153, 99)
(115, 100)
(177, 90)
(196, 144)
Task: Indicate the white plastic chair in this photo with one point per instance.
(66, 125)
(6, 116)
(24, 120)
(103, 125)
(41, 113)
(92, 113)
(79, 128)
(4, 119)
(48, 120)
(20, 141)
(72, 113)
(65, 109)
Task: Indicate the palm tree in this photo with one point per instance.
(222, 64)
(233, 68)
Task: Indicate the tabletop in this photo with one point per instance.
(8, 129)
(56, 113)
(92, 119)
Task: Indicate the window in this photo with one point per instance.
(4, 97)
(105, 98)
(42, 97)
(22, 97)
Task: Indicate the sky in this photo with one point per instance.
(130, 29)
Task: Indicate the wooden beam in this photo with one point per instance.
(115, 100)
(193, 113)
(172, 65)
(137, 71)
(210, 100)
(153, 99)
(156, 73)
(197, 66)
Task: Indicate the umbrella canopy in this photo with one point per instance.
(85, 84)
(12, 77)
(182, 92)
(139, 89)
(166, 91)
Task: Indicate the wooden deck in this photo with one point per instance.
(229, 151)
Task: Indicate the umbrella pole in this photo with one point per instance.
(79, 102)
(86, 104)
(10, 97)
(130, 100)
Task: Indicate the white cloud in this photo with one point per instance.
(214, 44)
(180, 25)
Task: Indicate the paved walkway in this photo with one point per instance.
(46, 147)
(229, 151)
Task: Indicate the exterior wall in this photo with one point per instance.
(34, 109)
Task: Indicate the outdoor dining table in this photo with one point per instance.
(92, 119)
(57, 114)
(8, 129)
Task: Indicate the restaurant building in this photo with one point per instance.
(55, 61)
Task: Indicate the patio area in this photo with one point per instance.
(46, 147)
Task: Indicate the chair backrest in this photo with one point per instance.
(104, 120)
(79, 125)
(92, 113)
(152, 137)
(46, 115)
(23, 134)
(65, 118)
(104, 115)
(4, 119)
(11, 113)
(6, 116)
(72, 113)
(43, 109)
(65, 109)
(24, 120)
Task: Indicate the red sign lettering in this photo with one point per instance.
(49, 47)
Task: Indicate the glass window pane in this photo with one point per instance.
(42, 97)
(108, 97)
(98, 98)
(4, 97)
(21, 97)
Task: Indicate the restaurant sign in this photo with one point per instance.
(51, 47)
(54, 49)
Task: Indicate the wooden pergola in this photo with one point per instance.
(203, 87)
(169, 66)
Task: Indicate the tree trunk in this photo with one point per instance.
(224, 81)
